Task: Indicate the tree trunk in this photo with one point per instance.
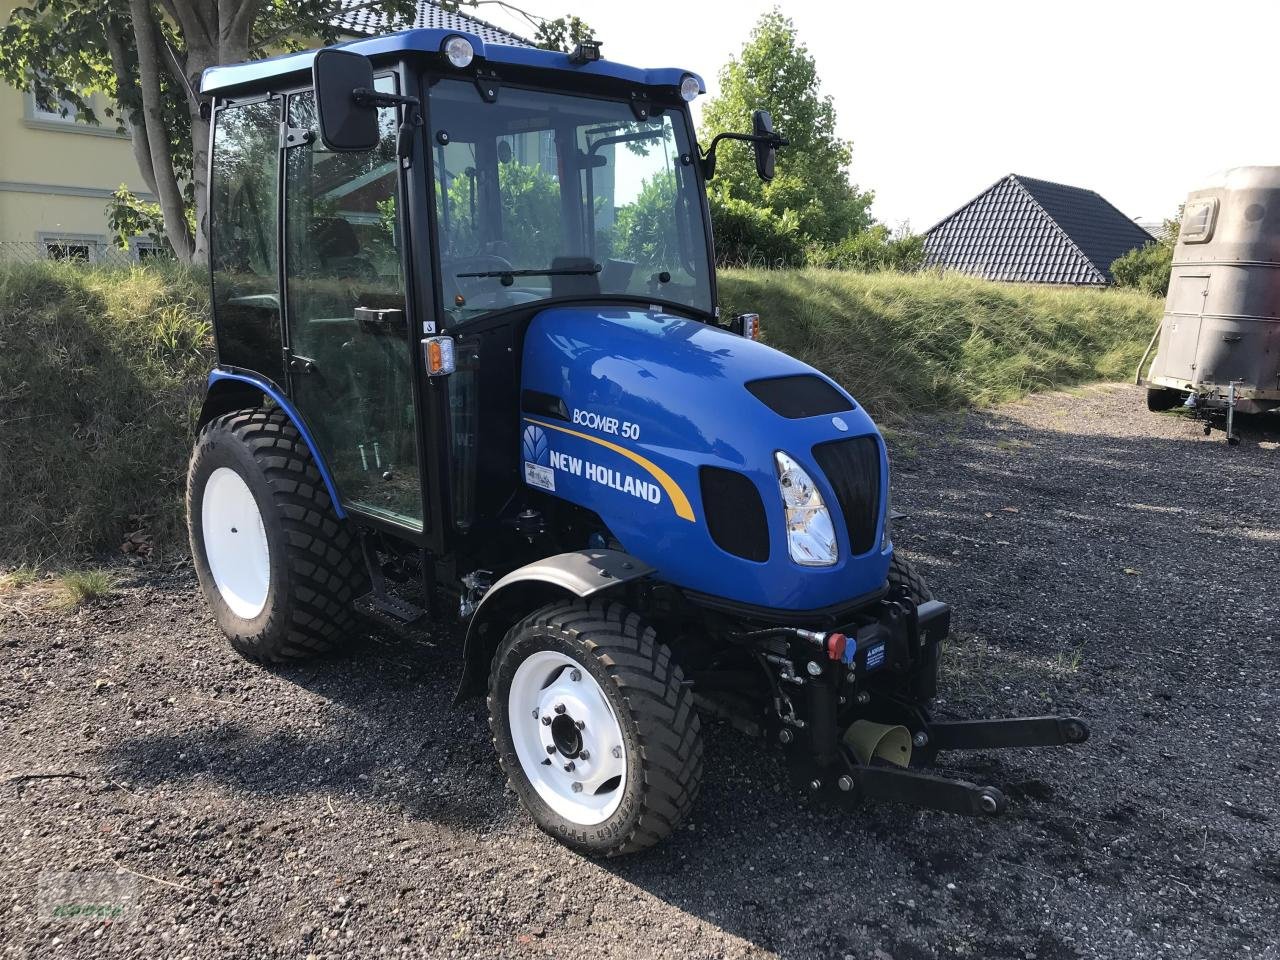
(200, 178)
(150, 64)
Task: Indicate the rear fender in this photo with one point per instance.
(228, 391)
(581, 574)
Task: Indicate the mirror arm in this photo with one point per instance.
(709, 157)
(412, 116)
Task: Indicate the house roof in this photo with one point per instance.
(1034, 231)
(367, 18)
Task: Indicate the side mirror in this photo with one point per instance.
(347, 124)
(765, 143)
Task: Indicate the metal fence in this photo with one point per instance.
(78, 250)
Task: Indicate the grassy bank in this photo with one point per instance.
(903, 343)
(101, 373)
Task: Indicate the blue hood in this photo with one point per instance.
(650, 398)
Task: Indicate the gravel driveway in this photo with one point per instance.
(1102, 560)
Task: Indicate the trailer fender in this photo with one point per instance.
(228, 390)
(580, 573)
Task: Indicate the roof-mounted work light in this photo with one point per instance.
(586, 51)
(458, 51)
(690, 88)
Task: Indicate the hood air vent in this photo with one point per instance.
(799, 396)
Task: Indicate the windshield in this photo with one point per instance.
(543, 195)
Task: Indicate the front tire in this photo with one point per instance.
(277, 566)
(903, 574)
(588, 687)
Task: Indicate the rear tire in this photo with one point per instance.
(600, 664)
(276, 565)
(902, 573)
(1160, 399)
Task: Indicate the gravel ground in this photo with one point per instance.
(1102, 561)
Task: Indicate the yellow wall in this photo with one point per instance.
(55, 177)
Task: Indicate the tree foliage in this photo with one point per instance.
(1148, 268)
(811, 198)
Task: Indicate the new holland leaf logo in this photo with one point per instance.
(534, 446)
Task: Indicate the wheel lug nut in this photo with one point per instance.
(575, 674)
(617, 753)
(581, 725)
(570, 767)
(577, 788)
(584, 755)
(546, 721)
(551, 748)
(535, 713)
(546, 762)
(559, 708)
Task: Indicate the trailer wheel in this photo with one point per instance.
(277, 566)
(902, 573)
(1162, 398)
(594, 727)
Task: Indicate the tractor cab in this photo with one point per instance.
(472, 378)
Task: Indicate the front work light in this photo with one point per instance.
(458, 51)
(811, 537)
(690, 88)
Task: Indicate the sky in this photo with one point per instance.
(1137, 99)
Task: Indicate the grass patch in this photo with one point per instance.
(20, 576)
(902, 343)
(79, 587)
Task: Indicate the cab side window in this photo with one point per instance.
(246, 152)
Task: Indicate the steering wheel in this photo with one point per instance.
(471, 287)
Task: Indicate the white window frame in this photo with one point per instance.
(94, 241)
(41, 115)
(138, 244)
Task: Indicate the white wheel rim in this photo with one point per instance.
(235, 543)
(552, 685)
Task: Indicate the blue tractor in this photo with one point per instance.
(472, 372)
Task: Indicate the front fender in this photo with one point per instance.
(581, 573)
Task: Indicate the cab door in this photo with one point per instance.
(351, 365)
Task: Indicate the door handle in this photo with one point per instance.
(387, 323)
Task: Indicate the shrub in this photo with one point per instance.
(749, 235)
(873, 249)
(1146, 268)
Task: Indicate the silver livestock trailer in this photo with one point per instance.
(1220, 337)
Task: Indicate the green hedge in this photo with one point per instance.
(101, 374)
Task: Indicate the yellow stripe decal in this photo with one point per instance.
(678, 499)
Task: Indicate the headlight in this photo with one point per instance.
(690, 88)
(811, 537)
(458, 51)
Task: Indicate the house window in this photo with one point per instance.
(146, 250)
(64, 111)
(81, 248)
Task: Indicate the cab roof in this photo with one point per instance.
(222, 80)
